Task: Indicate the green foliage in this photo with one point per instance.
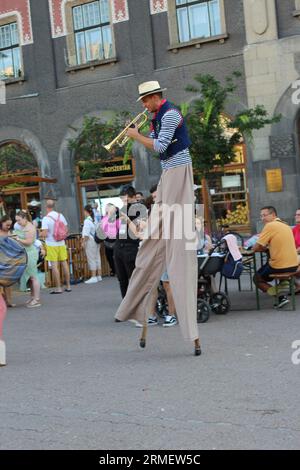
(252, 119)
(213, 138)
(88, 147)
(145, 129)
(14, 157)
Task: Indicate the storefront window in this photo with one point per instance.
(228, 193)
(106, 185)
(19, 179)
(105, 194)
(229, 197)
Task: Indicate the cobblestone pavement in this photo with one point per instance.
(77, 380)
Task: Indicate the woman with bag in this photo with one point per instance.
(26, 235)
(110, 226)
(92, 249)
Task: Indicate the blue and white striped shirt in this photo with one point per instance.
(169, 123)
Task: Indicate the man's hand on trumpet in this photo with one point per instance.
(133, 132)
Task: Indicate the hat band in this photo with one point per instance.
(151, 91)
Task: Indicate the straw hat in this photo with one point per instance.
(149, 88)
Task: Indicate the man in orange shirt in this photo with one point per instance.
(276, 237)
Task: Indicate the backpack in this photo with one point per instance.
(60, 231)
(232, 269)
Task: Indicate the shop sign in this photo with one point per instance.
(231, 181)
(110, 169)
(117, 169)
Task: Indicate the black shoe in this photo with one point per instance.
(117, 320)
(198, 351)
(283, 300)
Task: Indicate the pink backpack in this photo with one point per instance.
(60, 231)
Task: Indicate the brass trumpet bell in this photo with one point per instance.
(122, 138)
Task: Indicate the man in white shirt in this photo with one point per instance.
(56, 250)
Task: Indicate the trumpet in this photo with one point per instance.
(122, 138)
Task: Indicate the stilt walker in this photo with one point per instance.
(166, 236)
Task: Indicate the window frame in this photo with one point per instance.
(18, 75)
(296, 12)
(174, 29)
(71, 48)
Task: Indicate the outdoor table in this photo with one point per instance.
(249, 257)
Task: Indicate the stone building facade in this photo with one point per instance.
(55, 83)
(272, 71)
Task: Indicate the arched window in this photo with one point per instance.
(16, 158)
(18, 178)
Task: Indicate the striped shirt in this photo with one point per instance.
(169, 123)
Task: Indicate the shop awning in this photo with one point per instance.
(25, 179)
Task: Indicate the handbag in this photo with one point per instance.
(109, 244)
(99, 235)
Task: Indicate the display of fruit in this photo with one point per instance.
(239, 216)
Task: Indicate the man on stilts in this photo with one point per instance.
(164, 246)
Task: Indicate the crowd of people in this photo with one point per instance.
(136, 250)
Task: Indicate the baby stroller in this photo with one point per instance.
(208, 301)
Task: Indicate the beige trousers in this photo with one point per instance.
(92, 251)
(164, 246)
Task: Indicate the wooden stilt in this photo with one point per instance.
(144, 335)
